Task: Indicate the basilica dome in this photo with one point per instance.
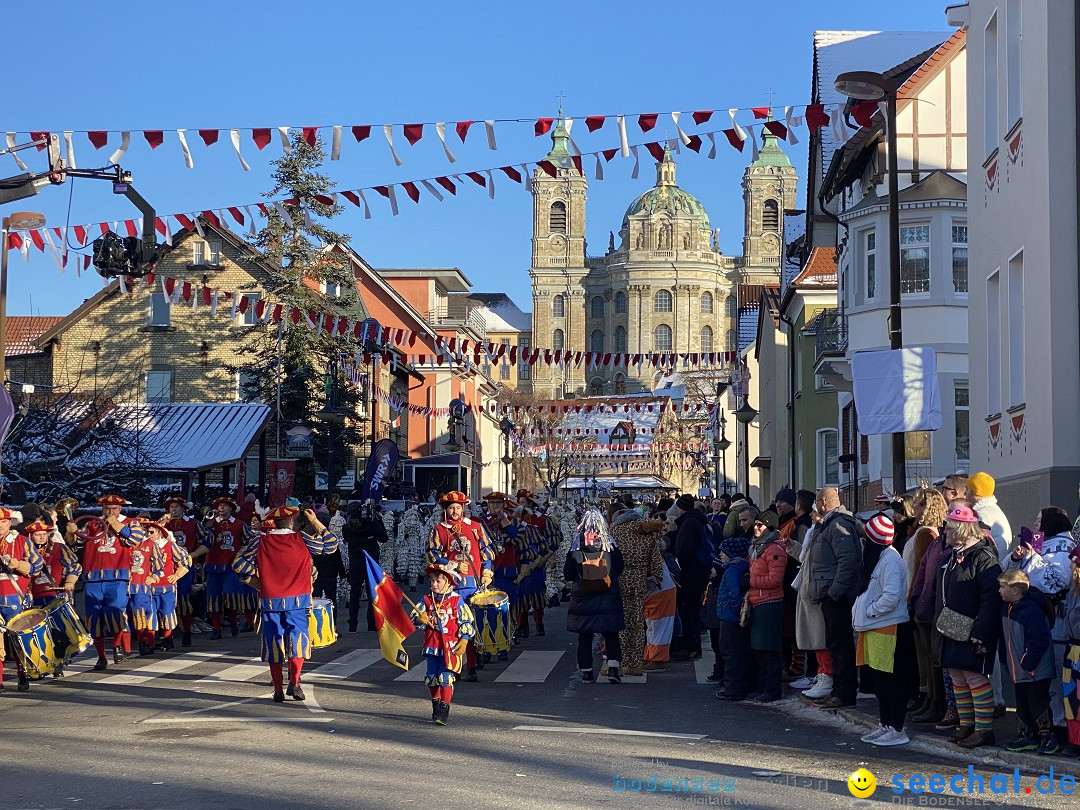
(667, 197)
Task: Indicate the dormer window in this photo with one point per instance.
(206, 253)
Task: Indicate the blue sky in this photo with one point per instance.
(268, 64)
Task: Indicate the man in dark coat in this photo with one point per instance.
(691, 534)
(831, 572)
(363, 531)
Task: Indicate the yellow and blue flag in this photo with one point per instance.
(392, 621)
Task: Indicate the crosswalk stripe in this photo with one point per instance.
(702, 669)
(160, 668)
(532, 666)
(626, 679)
(341, 668)
(415, 674)
(238, 673)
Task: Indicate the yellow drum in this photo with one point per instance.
(492, 611)
(321, 625)
(33, 642)
(69, 632)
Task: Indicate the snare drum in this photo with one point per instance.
(34, 643)
(321, 623)
(68, 630)
(492, 609)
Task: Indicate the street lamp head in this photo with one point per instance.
(506, 425)
(725, 443)
(331, 415)
(746, 413)
(863, 85)
(24, 220)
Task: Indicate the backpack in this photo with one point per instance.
(595, 578)
(705, 551)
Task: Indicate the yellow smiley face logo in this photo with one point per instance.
(861, 783)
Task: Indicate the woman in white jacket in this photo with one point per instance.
(886, 639)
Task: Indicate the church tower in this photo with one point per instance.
(769, 186)
(558, 267)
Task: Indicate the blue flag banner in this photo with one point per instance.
(380, 466)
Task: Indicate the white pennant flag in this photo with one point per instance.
(490, 184)
(125, 142)
(599, 168)
(367, 208)
(440, 130)
(712, 150)
(11, 145)
(284, 214)
(388, 131)
(234, 136)
(678, 129)
(489, 127)
(634, 174)
(214, 303)
(196, 218)
(251, 221)
(52, 249)
(168, 231)
(335, 143)
(753, 145)
(235, 301)
(123, 284)
(431, 188)
(392, 196)
(836, 118)
(792, 121)
(569, 124)
(740, 133)
(283, 133)
(69, 150)
(184, 148)
(624, 147)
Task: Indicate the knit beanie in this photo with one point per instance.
(787, 495)
(766, 519)
(880, 529)
(685, 502)
(735, 547)
(981, 485)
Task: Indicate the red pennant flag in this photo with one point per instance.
(206, 296)
(80, 234)
(212, 218)
(98, 138)
(170, 285)
(15, 241)
(777, 129)
(261, 138)
(733, 138)
(647, 121)
(275, 316)
(384, 190)
(210, 136)
(447, 183)
(185, 291)
(159, 226)
(310, 135)
(594, 122)
(412, 191)
(352, 197)
(462, 128)
(609, 154)
(360, 133)
(694, 143)
(816, 117)
(130, 225)
(184, 220)
(760, 113)
(576, 160)
(260, 308)
(413, 133)
(236, 214)
(548, 168)
(701, 116)
(39, 136)
(477, 178)
(863, 112)
(294, 315)
(154, 137)
(325, 199)
(511, 172)
(656, 150)
(542, 126)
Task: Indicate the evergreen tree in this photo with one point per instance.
(301, 272)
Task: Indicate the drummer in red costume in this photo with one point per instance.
(175, 563)
(106, 546)
(59, 572)
(224, 592)
(19, 562)
(278, 565)
(545, 538)
(466, 545)
(194, 538)
(508, 537)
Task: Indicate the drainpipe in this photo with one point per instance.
(791, 399)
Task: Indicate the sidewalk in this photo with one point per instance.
(864, 717)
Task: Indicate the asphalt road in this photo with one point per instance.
(197, 729)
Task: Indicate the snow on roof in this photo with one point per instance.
(748, 317)
(794, 229)
(836, 52)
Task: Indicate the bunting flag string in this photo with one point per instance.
(815, 116)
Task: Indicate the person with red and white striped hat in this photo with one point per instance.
(886, 637)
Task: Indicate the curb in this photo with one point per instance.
(931, 742)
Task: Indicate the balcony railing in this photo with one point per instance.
(832, 337)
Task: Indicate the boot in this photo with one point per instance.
(102, 663)
(185, 640)
(950, 722)
(117, 654)
(962, 733)
(821, 689)
(435, 709)
(167, 644)
(58, 673)
(717, 675)
(24, 682)
(443, 714)
(215, 635)
(234, 626)
(298, 693)
(279, 696)
(613, 675)
(540, 630)
(553, 602)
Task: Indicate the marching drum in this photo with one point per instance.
(69, 633)
(492, 610)
(34, 642)
(321, 623)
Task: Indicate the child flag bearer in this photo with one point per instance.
(448, 625)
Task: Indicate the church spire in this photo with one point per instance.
(665, 169)
(560, 140)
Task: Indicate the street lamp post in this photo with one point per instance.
(20, 220)
(866, 85)
(720, 440)
(722, 444)
(507, 427)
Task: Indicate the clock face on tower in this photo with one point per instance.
(558, 242)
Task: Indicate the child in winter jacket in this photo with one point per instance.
(734, 638)
(1027, 655)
